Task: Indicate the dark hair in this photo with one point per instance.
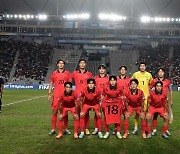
(134, 80)
(113, 77)
(60, 60)
(102, 66)
(123, 66)
(142, 63)
(68, 83)
(82, 59)
(160, 68)
(158, 83)
(91, 79)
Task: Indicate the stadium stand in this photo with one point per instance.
(123, 57)
(33, 62)
(155, 57)
(7, 55)
(175, 73)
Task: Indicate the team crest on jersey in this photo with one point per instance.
(147, 78)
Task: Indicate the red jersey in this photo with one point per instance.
(135, 100)
(166, 84)
(80, 80)
(124, 83)
(101, 82)
(68, 101)
(112, 93)
(91, 98)
(157, 100)
(59, 78)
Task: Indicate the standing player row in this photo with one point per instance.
(60, 76)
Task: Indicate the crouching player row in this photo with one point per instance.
(157, 104)
(112, 107)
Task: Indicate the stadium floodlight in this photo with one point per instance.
(145, 19)
(111, 17)
(42, 16)
(15, 16)
(32, 16)
(28, 16)
(83, 16)
(7, 16)
(168, 19)
(172, 19)
(20, 16)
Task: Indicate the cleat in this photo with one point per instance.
(106, 135)
(165, 136)
(59, 136)
(81, 135)
(168, 133)
(87, 132)
(134, 131)
(125, 136)
(119, 136)
(52, 132)
(76, 136)
(144, 136)
(67, 132)
(128, 133)
(100, 135)
(149, 136)
(95, 132)
(154, 132)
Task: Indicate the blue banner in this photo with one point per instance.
(29, 86)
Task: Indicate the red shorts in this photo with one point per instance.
(132, 109)
(66, 109)
(86, 108)
(159, 110)
(55, 103)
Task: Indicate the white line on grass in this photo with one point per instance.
(25, 100)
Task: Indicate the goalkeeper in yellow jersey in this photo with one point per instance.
(144, 79)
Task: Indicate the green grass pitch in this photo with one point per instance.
(24, 128)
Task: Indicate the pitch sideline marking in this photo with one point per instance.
(25, 100)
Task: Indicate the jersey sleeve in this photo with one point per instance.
(152, 84)
(150, 79)
(52, 78)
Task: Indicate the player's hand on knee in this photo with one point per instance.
(99, 115)
(76, 117)
(142, 115)
(166, 115)
(60, 116)
(148, 116)
(82, 114)
(127, 114)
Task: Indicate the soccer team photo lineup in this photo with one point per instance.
(90, 76)
(113, 99)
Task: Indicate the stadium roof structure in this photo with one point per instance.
(129, 8)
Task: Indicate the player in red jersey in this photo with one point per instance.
(80, 78)
(101, 80)
(157, 103)
(58, 78)
(124, 83)
(68, 102)
(135, 103)
(90, 100)
(123, 80)
(112, 104)
(167, 86)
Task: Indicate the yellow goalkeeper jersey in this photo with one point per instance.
(144, 79)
